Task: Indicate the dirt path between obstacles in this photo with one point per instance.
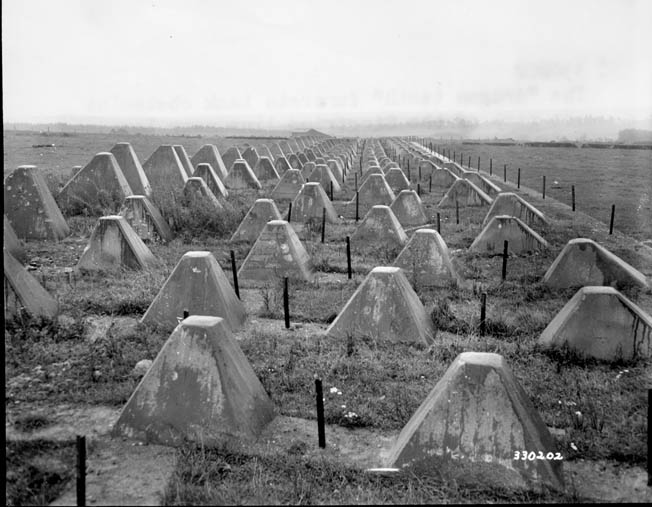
(121, 472)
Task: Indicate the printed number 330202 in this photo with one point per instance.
(531, 456)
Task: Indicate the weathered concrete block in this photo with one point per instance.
(474, 421)
(585, 262)
(384, 307)
(200, 388)
(600, 322)
(199, 285)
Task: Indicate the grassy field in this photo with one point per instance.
(49, 363)
(601, 178)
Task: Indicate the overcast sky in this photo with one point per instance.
(173, 62)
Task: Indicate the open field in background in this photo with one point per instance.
(49, 363)
(601, 178)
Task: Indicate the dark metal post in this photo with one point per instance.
(321, 431)
(573, 196)
(235, 274)
(611, 222)
(430, 185)
(505, 173)
(419, 189)
(323, 222)
(348, 256)
(81, 470)
(438, 224)
(286, 303)
(331, 190)
(457, 212)
(289, 213)
(491, 166)
(518, 184)
(357, 207)
(478, 164)
(186, 313)
(543, 193)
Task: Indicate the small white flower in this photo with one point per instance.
(343, 406)
(573, 446)
(334, 390)
(339, 392)
(578, 413)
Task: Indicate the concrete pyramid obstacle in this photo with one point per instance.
(165, 170)
(205, 171)
(600, 322)
(396, 180)
(114, 244)
(521, 238)
(30, 296)
(455, 168)
(408, 209)
(98, 187)
(185, 160)
(265, 170)
(310, 203)
(585, 262)
(197, 284)
(485, 184)
(294, 145)
(427, 168)
(241, 176)
(289, 186)
(251, 156)
(265, 152)
(262, 211)
(229, 157)
(310, 154)
(294, 161)
(285, 146)
(508, 203)
(276, 151)
(282, 164)
(374, 191)
(473, 422)
(380, 226)
(443, 178)
(426, 260)
(374, 169)
(277, 253)
(128, 161)
(334, 166)
(466, 194)
(385, 308)
(323, 175)
(11, 242)
(307, 170)
(302, 158)
(30, 207)
(145, 219)
(196, 189)
(320, 161)
(209, 154)
(200, 388)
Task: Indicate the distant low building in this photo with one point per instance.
(635, 136)
(311, 133)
